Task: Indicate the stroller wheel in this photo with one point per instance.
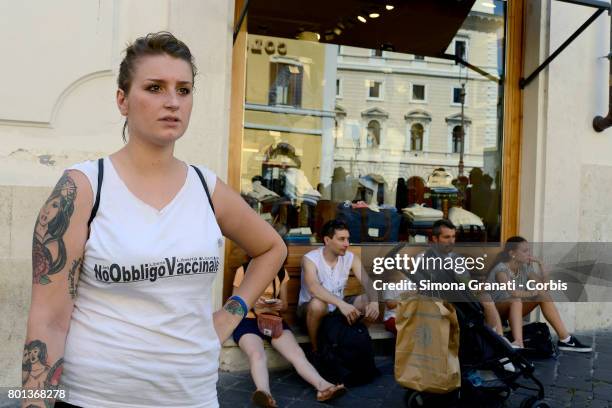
(414, 399)
(534, 402)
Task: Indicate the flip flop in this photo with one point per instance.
(330, 393)
(263, 399)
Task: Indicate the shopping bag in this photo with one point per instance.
(427, 345)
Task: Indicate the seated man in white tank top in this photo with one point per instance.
(325, 272)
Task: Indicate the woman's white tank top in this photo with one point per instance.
(141, 333)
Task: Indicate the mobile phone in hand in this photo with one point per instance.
(271, 301)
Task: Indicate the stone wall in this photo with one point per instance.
(58, 108)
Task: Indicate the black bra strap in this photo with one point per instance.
(201, 176)
(94, 209)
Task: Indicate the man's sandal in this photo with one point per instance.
(330, 393)
(263, 399)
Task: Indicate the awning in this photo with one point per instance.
(427, 26)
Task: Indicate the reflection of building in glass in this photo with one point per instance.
(399, 115)
(320, 119)
(287, 104)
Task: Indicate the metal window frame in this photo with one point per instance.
(243, 13)
(599, 5)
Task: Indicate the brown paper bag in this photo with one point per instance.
(427, 345)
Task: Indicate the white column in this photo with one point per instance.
(328, 123)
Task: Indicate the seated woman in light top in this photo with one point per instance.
(250, 339)
(515, 264)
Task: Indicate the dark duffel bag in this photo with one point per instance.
(537, 341)
(346, 352)
(366, 225)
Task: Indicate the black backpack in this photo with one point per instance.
(346, 353)
(538, 342)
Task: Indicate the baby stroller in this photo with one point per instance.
(490, 367)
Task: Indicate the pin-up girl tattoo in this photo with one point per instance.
(48, 249)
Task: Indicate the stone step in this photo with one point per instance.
(233, 359)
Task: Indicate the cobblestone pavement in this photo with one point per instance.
(581, 380)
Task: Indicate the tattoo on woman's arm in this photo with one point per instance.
(48, 248)
(72, 281)
(234, 307)
(36, 372)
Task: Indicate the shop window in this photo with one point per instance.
(375, 90)
(456, 139)
(418, 93)
(285, 84)
(416, 137)
(373, 133)
(302, 167)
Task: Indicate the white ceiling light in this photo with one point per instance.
(374, 15)
(362, 19)
(389, 7)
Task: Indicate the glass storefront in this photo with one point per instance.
(388, 141)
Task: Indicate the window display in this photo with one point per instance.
(372, 136)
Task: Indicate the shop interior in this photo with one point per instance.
(352, 113)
